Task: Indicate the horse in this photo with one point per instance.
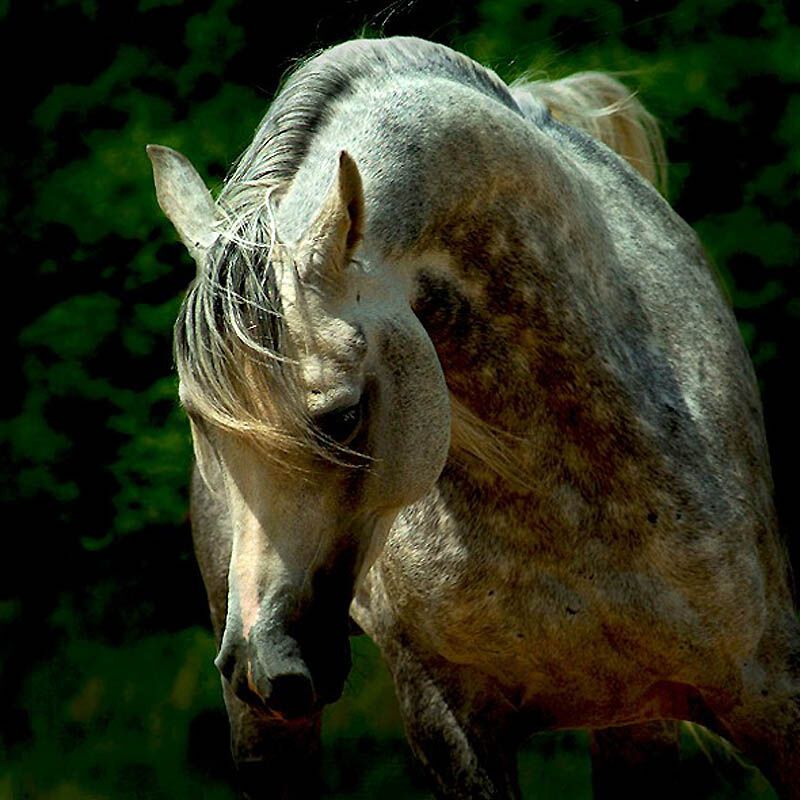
(459, 377)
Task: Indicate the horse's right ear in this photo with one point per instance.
(184, 198)
(337, 229)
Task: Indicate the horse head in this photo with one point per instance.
(318, 410)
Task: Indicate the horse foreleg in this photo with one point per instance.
(274, 760)
(635, 760)
(457, 738)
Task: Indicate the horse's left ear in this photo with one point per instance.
(336, 231)
(184, 198)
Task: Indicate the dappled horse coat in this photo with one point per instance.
(450, 356)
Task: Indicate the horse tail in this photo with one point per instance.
(604, 108)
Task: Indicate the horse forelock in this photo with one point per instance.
(231, 349)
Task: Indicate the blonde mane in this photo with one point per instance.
(471, 437)
(601, 106)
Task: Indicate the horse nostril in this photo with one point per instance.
(292, 695)
(225, 661)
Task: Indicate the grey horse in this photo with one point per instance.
(457, 372)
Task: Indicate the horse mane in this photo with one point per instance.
(232, 353)
(472, 437)
(603, 107)
(302, 105)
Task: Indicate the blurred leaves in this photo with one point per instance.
(111, 723)
(73, 328)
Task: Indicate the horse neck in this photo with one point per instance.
(505, 285)
(515, 285)
(505, 250)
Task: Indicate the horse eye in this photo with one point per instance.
(341, 425)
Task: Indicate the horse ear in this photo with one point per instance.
(184, 198)
(336, 231)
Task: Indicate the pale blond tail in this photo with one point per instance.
(606, 109)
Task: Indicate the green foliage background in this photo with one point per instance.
(106, 655)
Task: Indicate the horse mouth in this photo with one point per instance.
(293, 714)
(294, 705)
(286, 689)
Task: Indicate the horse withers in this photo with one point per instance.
(454, 368)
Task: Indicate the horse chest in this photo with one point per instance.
(539, 615)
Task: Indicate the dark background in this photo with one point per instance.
(107, 678)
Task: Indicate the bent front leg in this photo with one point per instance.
(764, 721)
(457, 729)
(636, 761)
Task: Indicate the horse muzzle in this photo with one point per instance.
(275, 675)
